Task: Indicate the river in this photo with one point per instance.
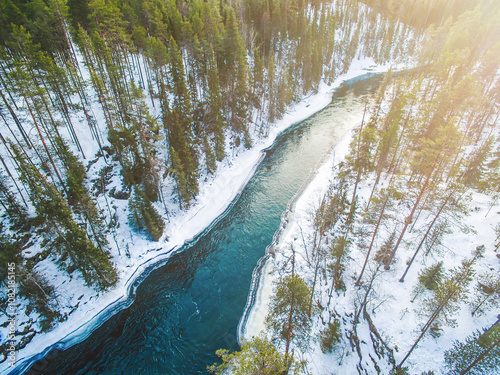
(189, 307)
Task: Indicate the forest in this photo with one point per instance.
(106, 103)
(397, 212)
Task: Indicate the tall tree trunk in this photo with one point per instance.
(409, 218)
(358, 176)
(6, 87)
(365, 298)
(46, 148)
(16, 120)
(11, 176)
(402, 279)
(290, 312)
(358, 281)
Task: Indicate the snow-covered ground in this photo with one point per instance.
(397, 320)
(216, 193)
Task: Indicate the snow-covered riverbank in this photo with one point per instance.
(216, 194)
(391, 313)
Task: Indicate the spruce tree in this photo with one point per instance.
(78, 195)
(215, 122)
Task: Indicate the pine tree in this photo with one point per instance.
(333, 206)
(179, 127)
(256, 357)
(381, 204)
(288, 317)
(429, 278)
(330, 336)
(379, 258)
(213, 117)
(487, 293)
(146, 131)
(78, 195)
(63, 236)
(143, 216)
(271, 76)
(235, 77)
(257, 80)
(428, 232)
(183, 164)
(359, 159)
(182, 97)
(479, 354)
(388, 134)
(447, 296)
(29, 284)
(476, 167)
(27, 77)
(17, 213)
